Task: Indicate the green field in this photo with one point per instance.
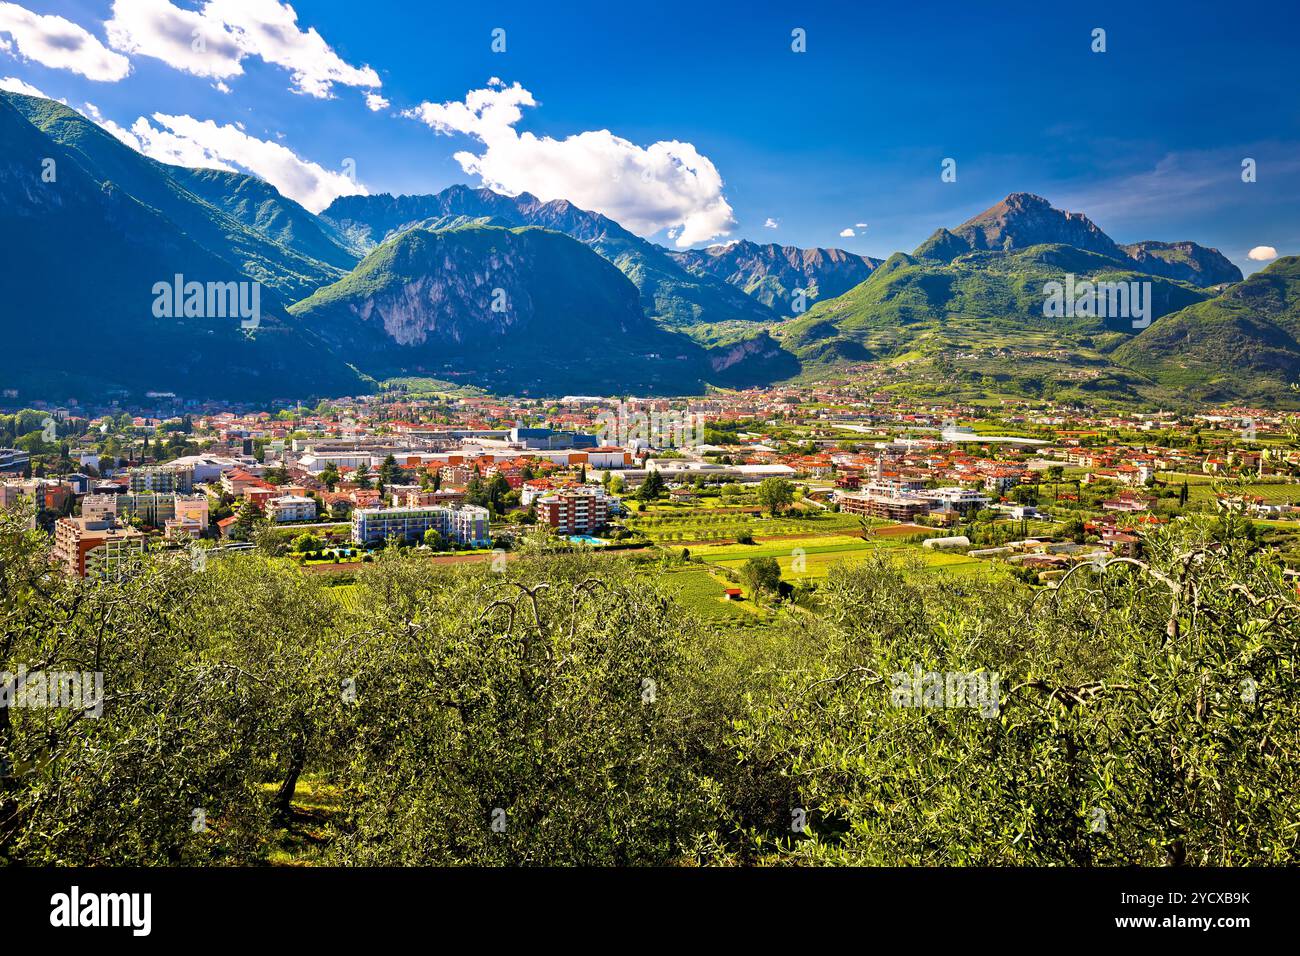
(718, 524)
(704, 592)
(812, 557)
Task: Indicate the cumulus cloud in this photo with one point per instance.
(214, 40)
(847, 233)
(771, 223)
(186, 141)
(58, 43)
(1262, 254)
(668, 185)
(375, 102)
(15, 85)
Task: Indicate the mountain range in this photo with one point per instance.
(541, 297)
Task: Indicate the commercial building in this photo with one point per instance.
(462, 524)
(549, 439)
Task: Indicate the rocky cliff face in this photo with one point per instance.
(671, 294)
(1185, 261)
(772, 273)
(1018, 222)
(479, 286)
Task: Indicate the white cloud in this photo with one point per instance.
(771, 224)
(847, 233)
(375, 102)
(213, 41)
(59, 43)
(185, 141)
(15, 85)
(1262, 254)
(860, 225)
(668, 185)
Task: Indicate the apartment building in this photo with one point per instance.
(291, 508)
(11, 459)
(161, 479)
(463, 524)
(422, 498)
(236, 482)
(889, 507)
(88, 547)
(99, 507)
(964, 501)
(575, 510)
(155, 510)
(10, 494)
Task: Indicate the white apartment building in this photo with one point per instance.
(291, 508)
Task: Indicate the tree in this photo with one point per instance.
(775, 494)
(329, 476)
(307, 542)
(532, 715)
(247, 519)
(389, 473)
(433, 540)
(496, 491)
(653, 487)
(362, 477)
(1150, 742)
(761, 575)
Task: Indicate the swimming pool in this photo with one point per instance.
(587, 539)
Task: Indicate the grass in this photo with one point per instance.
(702, 591)
(718, 524)
(303, 841)
(813, 557)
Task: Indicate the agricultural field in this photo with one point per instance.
(1200, 489)
(716, 524)
(702, 590)
(812, 557)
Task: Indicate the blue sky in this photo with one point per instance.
(1146, 138)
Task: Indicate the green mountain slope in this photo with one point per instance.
(259, 206)
(910, 303)
(162, 188)
(82, 256)
(1242, 345)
